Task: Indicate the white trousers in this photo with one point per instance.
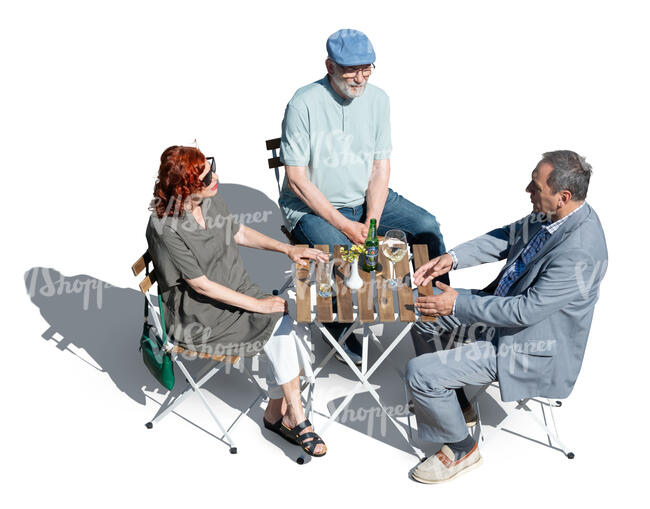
(288, 356)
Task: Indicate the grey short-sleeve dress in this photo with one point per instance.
(182, 249)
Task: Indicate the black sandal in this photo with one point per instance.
(293, 435)
(275, 428)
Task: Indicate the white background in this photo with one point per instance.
(92, 93)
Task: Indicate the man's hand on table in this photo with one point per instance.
(355, 231)
(300, 255)
(437, 305)
(432, 269)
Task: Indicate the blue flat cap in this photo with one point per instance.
(350, 47)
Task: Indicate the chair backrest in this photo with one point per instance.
(145, 285)
(275, 164)
(141, 264)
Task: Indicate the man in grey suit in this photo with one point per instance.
(531, 324)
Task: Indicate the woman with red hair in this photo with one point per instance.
(210, 302)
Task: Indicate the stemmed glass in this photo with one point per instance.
(394, 248)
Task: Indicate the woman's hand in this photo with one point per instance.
(268, 305)
(300, 255)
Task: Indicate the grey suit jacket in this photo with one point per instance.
(541, 326)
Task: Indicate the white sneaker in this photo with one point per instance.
(442, 467)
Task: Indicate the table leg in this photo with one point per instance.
(364, 349)
(363, 381)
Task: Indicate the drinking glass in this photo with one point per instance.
(394, 248)
(324, 277)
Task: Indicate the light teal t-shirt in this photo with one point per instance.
(337, 140)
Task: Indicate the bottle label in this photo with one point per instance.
(371, 256)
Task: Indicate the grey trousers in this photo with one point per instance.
(432, 377)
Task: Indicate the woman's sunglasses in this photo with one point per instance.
(207, 180)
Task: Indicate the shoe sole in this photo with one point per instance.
(293, 441)
(276, 430)
(464, 470)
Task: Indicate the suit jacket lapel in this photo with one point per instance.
(556, 238)
(522, 237)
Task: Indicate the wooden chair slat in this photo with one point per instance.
(148, 282)
(365, 297)
(420, 257)
(230, 359)
(275, 162)
(323, 304)
(273, 144)
(303, 293)
(141, 263)
(404, 292)
(343, 293)
(384, 292)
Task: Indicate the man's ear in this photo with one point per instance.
(565, 196)
(329, 65)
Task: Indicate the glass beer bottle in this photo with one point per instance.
(372, 247)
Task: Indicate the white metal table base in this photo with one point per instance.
(365, 373)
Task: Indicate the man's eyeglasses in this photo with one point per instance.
(351, 72)
(207, 180)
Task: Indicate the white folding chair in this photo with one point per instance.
(275, 164)
(552, 437)
(214, 364)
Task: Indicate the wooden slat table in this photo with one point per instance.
(375, 303)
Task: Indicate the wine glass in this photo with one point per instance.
(394, 248)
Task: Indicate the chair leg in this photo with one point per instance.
(409, 410)
(168, 405)
(197, 389)
(479, 424)
(569, 454)
(172, 402)
(552, 438)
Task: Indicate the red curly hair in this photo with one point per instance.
(178, 179)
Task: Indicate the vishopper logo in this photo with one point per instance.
(332, 149)
(588, 276)
(531, 357)
(523, 233)
(340, 273)
(370, 414)
(462, 334)
(218, 221)
(65, 286)
(194, 337)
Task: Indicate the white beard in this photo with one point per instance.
(351, 92)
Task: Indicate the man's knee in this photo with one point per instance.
(429, 223)
(412, 368)
(416, 378)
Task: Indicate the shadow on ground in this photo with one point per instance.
(95, 320)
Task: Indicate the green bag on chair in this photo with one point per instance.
(158, 361)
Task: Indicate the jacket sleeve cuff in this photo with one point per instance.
(452, 253)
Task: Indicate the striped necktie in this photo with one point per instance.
(515, 270)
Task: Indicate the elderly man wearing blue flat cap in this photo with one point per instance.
(336, 148)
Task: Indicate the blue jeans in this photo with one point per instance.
(420, 226)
